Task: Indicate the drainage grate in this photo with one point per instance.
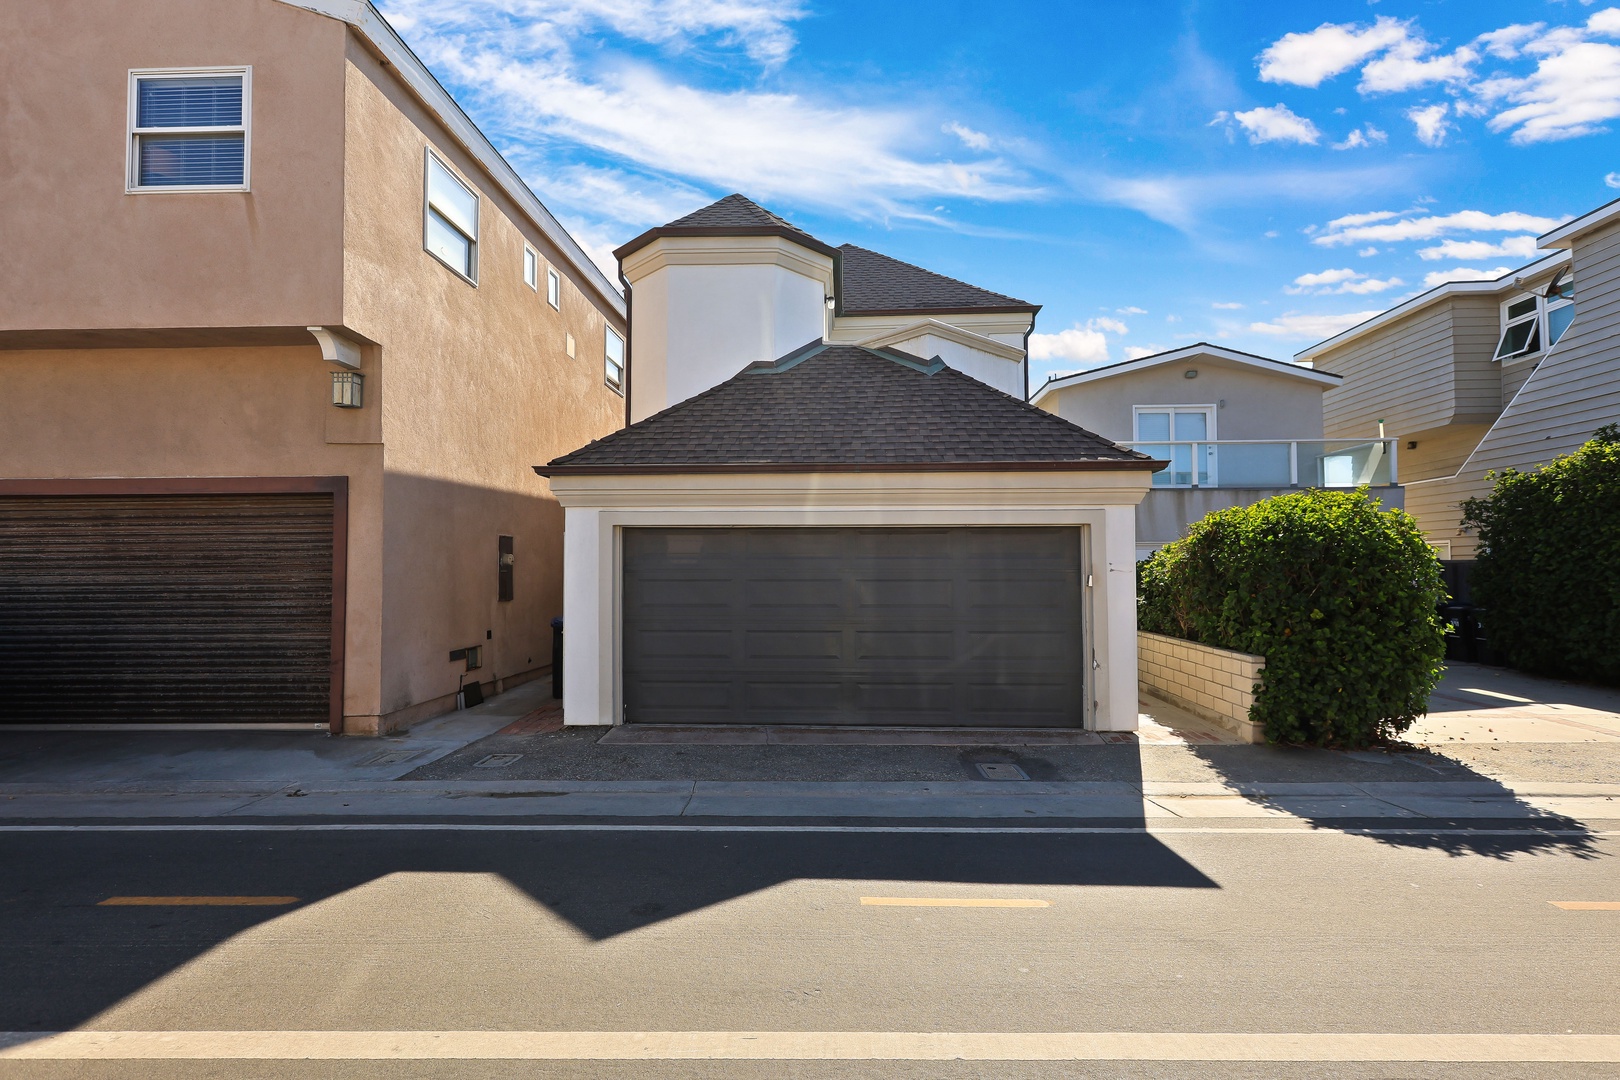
(1001, 770)
(496, 761)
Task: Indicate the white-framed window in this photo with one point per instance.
(189, 129)
(1521, 328)
(1184, 434)
(553, 288)
(1560, 304)
(531, 267)
(614, 352)
(450, 220)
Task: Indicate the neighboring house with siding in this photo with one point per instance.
(1235, 427)
(1476, 376)
(280, 333)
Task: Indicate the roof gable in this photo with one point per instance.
(828, 408)
(734, 215)
(872, 283)
(1262, 364)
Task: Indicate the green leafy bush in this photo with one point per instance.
(1548, 566)
(1339, 596)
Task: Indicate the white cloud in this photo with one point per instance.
(1314, 327)
(1277, 123)
(1405, 68)
(1131, 311)
(1430, 122)
(1227, 306)
(1574, 90)
(1432, 226)
(514, 60)
(1368, 136)
(1463, 273)
(1612, 180)
(1310, 58)
(1082, 343)
(1351, 220)
(973, 140)
(1516, 247)
(1367, 252)
(1345, 280)
(1506, 43)
(1136, 352)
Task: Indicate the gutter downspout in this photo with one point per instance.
(1027, 333)
(628, 351)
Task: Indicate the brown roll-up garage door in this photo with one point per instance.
(976, 627)
(166, 608)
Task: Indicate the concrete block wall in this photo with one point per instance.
(1216, 684)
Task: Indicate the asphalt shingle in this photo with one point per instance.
(876, 284)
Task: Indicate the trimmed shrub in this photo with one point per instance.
(1547, 572)
(1339, 596)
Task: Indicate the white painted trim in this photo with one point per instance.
(950, 333)
(1566, 234)
(1450, 289)
(336, 348)
(531, 257)
(369, 24)
(597, 507)
(1191, 352)
(132, 184)
(616, 386)
(553, 288)
(430, 159)
(728, 251)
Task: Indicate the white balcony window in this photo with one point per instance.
(450, 220)
(189, 129)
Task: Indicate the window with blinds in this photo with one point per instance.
(188, 130)
(450, 220)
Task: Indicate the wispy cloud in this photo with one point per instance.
(1463, 273)
(1310, 327)
(1309, 59)
(1272, 123)
(1429, 122)
(1083, 343)
(1340, 281)
(1429, 226)
(1514, 247)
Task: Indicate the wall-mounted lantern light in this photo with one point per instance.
(347, 389)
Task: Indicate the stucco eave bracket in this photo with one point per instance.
(337, 348)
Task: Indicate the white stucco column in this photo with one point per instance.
(587, 679)
(1116, 611)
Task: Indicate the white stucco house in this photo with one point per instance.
(1235, 427)
(833, 506)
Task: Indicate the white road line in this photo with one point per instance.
(801, 1046)
(451, 826)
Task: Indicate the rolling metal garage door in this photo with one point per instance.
(166, 608)
(975, 627)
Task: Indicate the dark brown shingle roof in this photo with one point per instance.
(876, 284)
(841, 407)
(734, 215)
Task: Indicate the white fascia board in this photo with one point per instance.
(369, 23)
(949, 333)
(1191, 352)
(1506, 283)
(1566, 234)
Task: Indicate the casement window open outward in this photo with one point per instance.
(450, 220)
(189, 129)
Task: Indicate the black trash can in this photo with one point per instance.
(556, 657)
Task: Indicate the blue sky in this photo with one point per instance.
(1261, 174)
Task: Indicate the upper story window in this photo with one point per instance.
(554, 288)
(531, 267)
(450, 220)
(188, 129)
(1560, 302)
(1521, 329)
(615, 360)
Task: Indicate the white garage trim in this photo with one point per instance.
(598, 507)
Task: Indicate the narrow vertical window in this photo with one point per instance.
(554, 288)
(450, 220)
(615, 360)
(188, 130)
(503, 581)
(531, 267)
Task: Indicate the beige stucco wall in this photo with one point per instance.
(80, 253)
(476, 388)
(1216, 684)
(1250, 404)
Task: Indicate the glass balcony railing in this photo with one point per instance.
(1242, 463)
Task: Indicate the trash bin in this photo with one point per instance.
(556, 657)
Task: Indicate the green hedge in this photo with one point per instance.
(1548, 566)
(1339, 596)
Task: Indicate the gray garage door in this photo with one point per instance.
(166, 608)
(976, 627)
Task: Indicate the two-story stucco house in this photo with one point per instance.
(1480, 375)
(1235, 427)
(834, 505)
(280, 333)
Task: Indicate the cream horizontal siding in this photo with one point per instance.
(1476, 327)
(1404, 375)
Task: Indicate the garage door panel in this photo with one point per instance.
(166, 608)
(959, 626)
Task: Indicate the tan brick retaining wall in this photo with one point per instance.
(1216, 684)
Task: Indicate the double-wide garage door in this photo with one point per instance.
(977, 627)
(166, 608)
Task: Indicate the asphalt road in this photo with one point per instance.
(486, 930)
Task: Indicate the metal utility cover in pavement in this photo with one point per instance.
(394, 757)
(1001, 771)
(496, 761)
